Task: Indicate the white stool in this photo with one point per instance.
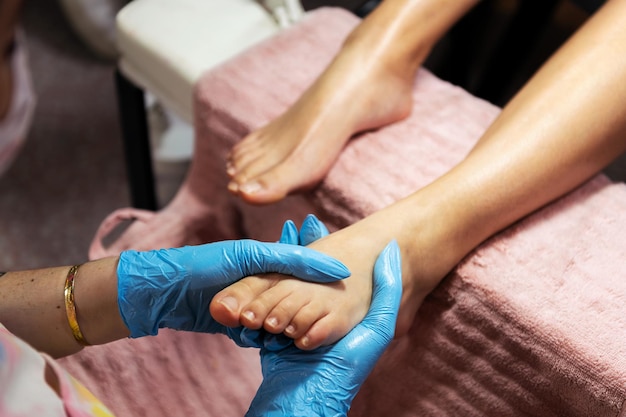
(164, 47)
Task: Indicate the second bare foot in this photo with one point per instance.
(296, 150)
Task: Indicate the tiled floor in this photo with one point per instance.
(71, 173)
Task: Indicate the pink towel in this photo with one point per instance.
(169, 375)
(531, 323)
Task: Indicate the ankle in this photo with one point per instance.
(375, 53)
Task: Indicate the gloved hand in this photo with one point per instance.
(323, 382)
(172, 288)
(312, 229)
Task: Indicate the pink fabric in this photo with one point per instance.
(171, 374)
(25, 392)
(110, 223)
(531, 323)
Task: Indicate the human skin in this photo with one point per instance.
(565, 125)
(140, 292)
(378, 59)
(32, 306)
(314, 137)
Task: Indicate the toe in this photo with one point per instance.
(269, 187)
(273, 307)
(323, 332)
(227, 305)
(281, 316)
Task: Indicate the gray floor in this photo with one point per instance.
(71, 173)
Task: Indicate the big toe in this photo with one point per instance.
(259, 191)
(275, 184)
(227, 305)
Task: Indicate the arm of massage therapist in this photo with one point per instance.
(139, 292)
(323, 382)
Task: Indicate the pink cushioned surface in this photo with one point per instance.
(531, 323)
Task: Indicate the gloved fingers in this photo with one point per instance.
(245, 337)
(276, 342)
(257, 338)
(312, 229)
(253, 257)
(289, 233)
(387, 292)
(380, 321)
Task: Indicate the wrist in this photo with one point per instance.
(95, 297)
(146, 282)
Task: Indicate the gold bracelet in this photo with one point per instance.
(70, 307)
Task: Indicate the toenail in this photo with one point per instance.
(230, 303)
(272, 322)
(251, 187)
(230, 169)
(233, 187)
(305, 341)
(291, 329)
(249, 315)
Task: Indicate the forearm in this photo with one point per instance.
(32, 306)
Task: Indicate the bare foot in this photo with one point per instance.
(320, 314)
(355, 93)
(311, 314)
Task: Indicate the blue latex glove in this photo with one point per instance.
(312, 229)
(323, 382)
(172, 288)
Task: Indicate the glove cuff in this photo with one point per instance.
(146, 283)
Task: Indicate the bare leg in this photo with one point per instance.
(564, 126)
(367, 52)
(368, 85)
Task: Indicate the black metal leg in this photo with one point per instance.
(136, 143)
